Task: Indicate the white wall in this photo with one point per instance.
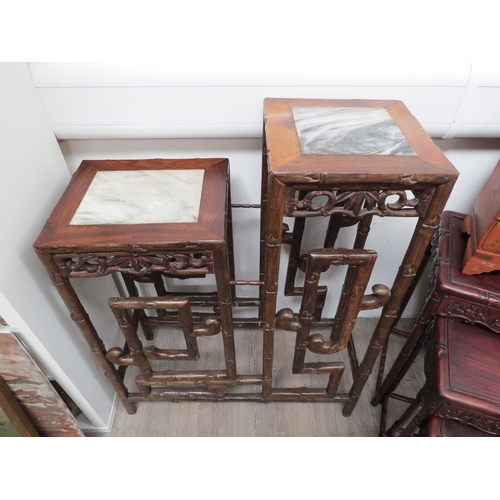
(33, 177)
(110, 101)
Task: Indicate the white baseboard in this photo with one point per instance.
(87, 426)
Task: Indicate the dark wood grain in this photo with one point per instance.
(355, 187)
(58, 236)
(289, 164)
(441, 427)
(145, 253)
(451, 293)
(462, 379)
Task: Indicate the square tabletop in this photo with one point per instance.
(466, 359)
(122, 204)
(330, 140)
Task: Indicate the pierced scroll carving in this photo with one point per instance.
(470, 418)
(352, 300)
(139, 355)
(471, 312)
(169, 263)
(117, 356)
(360, 204)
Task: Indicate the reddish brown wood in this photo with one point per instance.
(133, 292)
(273, 231)
(441, 427)
(463, 379)
(482, 254)
(287, 163)
(356, 188)
(451, 293)
(140, 356)
(58, 236)
(144, 252)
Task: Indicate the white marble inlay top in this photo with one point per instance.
(349, 131)
(141, 197)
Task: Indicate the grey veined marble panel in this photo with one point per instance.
(349, 131)
(141, 197)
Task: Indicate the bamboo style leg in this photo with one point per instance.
(409, 293)
(81, 318)
(362, 232)
(133, 341)
(230, 243)
(294, 256)
(263, 228)
(408, 271)
(388, 395)
(406, 356)
(160, 290)
(274, 221)
(133, 292)
(222, 278)
(417, 403)
(385, 324)
(296, 262)
(332, 232)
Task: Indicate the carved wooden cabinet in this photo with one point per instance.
(451, 294)
(463, 379)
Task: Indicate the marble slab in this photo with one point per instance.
(349, 131)
(141, 197)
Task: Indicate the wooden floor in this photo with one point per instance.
(229, 419)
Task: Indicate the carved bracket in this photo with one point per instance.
(379, 298)
(117, 357)
(482, 422)
(286, 319)
(459, 308)
(169, 263)
(358, 204)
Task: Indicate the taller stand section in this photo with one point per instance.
(349, 160)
